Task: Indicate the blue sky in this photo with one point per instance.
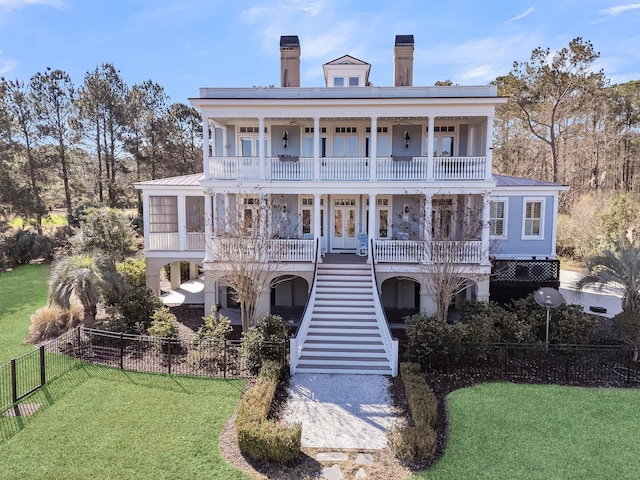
(186, 44)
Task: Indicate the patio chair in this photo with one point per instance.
(363, 240)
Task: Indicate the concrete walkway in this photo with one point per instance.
(190, 292)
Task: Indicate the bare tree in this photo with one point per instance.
(450, 258)
(248, 250)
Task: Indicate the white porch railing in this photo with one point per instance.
(195, 241)
(390, 343)
(459, 168)
(164, 241)
(348, 168)
(260, 250)
(419, 251)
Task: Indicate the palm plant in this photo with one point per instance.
(85, 277)
(621, 266)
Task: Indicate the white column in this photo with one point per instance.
(426, 229)
(482, 292)
(182, 223)
(261, 152)
(210, 291)
(265, 211)
(372, 223)
(145, 218)
(488, 166)
(209, 225)
(206, 163)
(317, 227)
(432, 121)
(554, 231)
(316, 148)
(373, 149)
(174, 275)
(227, 211)
(486, 218)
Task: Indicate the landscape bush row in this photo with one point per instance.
(258, 437)
(417, 442)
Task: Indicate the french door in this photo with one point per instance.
(344, 223)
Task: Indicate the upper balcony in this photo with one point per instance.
(392, 168)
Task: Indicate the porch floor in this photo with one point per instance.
(343, 258)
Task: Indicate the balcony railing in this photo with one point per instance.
(292, 167)
(170, 241)
(262, 250)
(419, 251)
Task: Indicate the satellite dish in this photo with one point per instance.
(548, 297)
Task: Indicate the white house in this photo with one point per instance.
(391, 178)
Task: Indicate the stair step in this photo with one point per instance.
(345, 284)
(363, 338)
(359, 354)
(342, 361)
(351, 343)
(370, 370)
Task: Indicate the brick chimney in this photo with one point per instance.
(289, 61)
(403, 61)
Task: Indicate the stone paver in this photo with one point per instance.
(332, 457)
(364, 459)
(332, 473)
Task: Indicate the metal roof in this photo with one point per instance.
(506, 181)
(404, 40)
(181, 181)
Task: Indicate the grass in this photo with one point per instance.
(22, 291)
(98, 422)
(506, 431)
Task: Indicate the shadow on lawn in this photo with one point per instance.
(59, 387)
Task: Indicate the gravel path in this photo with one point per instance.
(341, 411)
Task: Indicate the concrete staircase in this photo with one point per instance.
(343, 334)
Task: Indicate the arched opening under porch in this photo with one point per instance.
(400, 298)
(289, 296)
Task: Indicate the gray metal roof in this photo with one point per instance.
(181, 181)
(506, 181)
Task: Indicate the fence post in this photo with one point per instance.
(43, 374)
(78, 342)
(169, 354)
(224, 356)
(121, 351)
(14, 382)
(629, 360)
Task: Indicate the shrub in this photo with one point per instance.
(52, 321)
(132, 311)
(489, 322)
(258, 437)
(106, 230)
(568, 325)
(24, 246)
(627, 326)
(209, 341)
(264, 341)
(416, 443)
(164, 324)
(424, 333)
(133, 271)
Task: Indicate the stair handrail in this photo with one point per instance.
(296, 341)
(389, 341)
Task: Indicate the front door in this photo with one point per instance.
(344, 223)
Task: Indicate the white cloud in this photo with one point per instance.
(529, 11)
(619, 9)
(10, 5)
(6, 64)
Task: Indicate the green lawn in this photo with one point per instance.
(104, 423)
(22, 291)
(507, 431)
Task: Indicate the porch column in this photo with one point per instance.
(426, 230)
(210, 291)
(373, 149)
(430, 130)
(182, 223)
(486, 219)
(209, 224)
(316, 149)
(487, 173)
(264, 212)
(205, 147)
(371, 232)
(427, 303)
(227, 212)
(193, 271)
(317, 224)
(174, 274)
(261, 152)
(483, 289)
(146, 214)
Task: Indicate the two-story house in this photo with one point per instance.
(367, 190)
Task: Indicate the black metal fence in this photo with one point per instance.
(25, 374)
(138, 353)
(595, 365)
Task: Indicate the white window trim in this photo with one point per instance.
(504, 200)
(542, 202)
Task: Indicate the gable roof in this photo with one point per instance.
(347, 60)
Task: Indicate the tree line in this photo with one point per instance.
(67, 146)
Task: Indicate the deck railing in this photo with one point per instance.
(194, 241)
(293, 167)
(261, 250)
(419, 251)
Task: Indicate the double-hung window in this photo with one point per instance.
(497, 218)
(533, 219)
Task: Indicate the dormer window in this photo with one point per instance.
(346, 71)
(354, 81)
(338, 81)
